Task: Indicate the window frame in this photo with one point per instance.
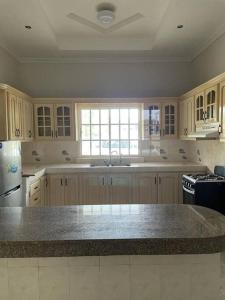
(89, 106)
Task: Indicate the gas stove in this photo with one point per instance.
(205, 189)
(197, 178)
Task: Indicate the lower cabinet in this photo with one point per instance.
(156, 188)
(105, 189)
(145, 188)
(63, 190)
(116, 188)
(168, 186)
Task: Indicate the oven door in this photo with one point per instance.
(188, 195)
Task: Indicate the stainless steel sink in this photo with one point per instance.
(110, 165)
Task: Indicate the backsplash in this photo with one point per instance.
(208, 153)
(68, 152)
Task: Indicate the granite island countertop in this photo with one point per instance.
(100, 230)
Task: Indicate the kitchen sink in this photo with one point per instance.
(111, 165)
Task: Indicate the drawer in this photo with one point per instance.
(35, 200)
(35, 187)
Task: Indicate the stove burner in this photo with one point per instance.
(208, 177)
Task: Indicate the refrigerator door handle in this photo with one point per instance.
(11, 191)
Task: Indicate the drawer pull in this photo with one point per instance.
(35, 199)
(36, 187)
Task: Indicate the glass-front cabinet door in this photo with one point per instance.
(44, 121)
(211, 114)
(63, 121)
(199, 109)
(154, 121)
(169, 113)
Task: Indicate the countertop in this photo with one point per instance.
(110, 230)
(39, 170)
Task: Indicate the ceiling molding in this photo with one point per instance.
(215, 36)
(105, 58)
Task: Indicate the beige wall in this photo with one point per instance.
(8, 69)
(105, 79)
(209, 63)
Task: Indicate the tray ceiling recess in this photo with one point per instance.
(123, 30)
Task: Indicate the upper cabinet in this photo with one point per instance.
(207, 106)
(186, 121)
(54, 121)
(16, 115)
(160, 120)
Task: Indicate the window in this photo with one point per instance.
(106, 130)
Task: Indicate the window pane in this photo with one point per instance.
(104, 147)
(114, 131)
(134, 147)
(95, 116)
(95, 150)
(124, 116)
(40, 121)
(124, 131)
(47, 111)
(59, 121)
(85, 116)
(60, 131)
(133, 132)
(124, 147)
(134, 118)
(115, 147)
(114, 116)
(67, 121)
(40, 111)
(85, 135)
(86, 148)
(104, 132)
(95, 132)
(104, 116)
(48, 131)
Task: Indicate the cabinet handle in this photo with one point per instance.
(46, 182)
(103, 181)
(36, 187)
(61, 181)
(111, 180)
(35, 199)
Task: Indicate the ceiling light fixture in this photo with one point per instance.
(180, 26)
(106, 13)
(28, 27)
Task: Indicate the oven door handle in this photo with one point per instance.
(188, 191)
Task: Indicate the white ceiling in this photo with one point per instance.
(148, 28)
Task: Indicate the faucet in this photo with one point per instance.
(110, 156)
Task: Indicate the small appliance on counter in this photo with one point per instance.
(10, 175)
(206, 190)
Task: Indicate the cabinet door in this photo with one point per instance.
(71, 190)
(56, 192)
(169, 117)
(64, 121)
(190, 115)
(183, 119)
(145, 188)
(44, 196)
(211, 104)
(28, 120)
(120, 188)
(93, 189)
(44, 121)
(20, 117)
(199, 109)
(152, 121)
(168, 188)
(12, 117)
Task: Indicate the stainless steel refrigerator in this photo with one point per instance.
(10, 174)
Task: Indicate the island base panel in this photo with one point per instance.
(158, 277)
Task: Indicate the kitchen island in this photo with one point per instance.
(111, 252)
